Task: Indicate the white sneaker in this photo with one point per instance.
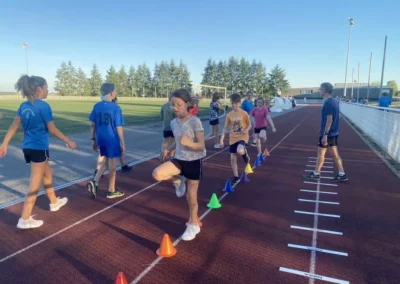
(29, 224)
(191, 232)
(181, 188)
(60, 203)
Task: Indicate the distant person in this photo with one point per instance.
(167, 115)
(329, 133)
(385, 100)
(293, 103)
(1, 115)
(215, 107)
(247, 106)
(194, 109)
(108, 138)
(36, 117)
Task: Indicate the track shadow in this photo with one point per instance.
(152, 246)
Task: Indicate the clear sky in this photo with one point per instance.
(307, 38)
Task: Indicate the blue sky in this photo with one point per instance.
(307, 38)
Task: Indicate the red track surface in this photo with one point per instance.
(245, 241)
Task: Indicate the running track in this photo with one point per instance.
(250, 239)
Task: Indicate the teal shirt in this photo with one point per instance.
(167, 115)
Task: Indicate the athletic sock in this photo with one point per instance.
(316, 174)
(341, 174)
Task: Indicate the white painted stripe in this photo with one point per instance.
(313, 276)
(323, 192)
(313, 166)
(157, 260)
(318, 249)
(318, 201)
(328, 184)
(315, 158)
(317, 230)
(313, 161)
(326, 177)
(328, 172)
(319, 214)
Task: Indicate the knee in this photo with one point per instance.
(241, 151)
(157, 174)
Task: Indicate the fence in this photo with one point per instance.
(382, 125)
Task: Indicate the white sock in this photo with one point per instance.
(315, 173)
(341, 174)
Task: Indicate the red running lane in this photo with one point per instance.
(244, 241)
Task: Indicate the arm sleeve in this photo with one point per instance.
(119, 118)
(92, 116)
(227, 121)
(47, 113)
(329, 109)
(197, 125)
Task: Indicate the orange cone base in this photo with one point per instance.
(166, 248)
(121, 279)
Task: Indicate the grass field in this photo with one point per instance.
(72, 116)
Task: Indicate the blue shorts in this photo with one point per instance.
(110, 151)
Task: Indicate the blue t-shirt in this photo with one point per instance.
(384, 101)
(330, 107)
(34, 117)
(107, 116)
(247, 106)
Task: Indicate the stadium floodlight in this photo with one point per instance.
(351, 23)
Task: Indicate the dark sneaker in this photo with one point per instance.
(312, 176)
(235, 180)
(339, 178)
(115, 194)
(254, 144)
(126, 169)
(92, 188)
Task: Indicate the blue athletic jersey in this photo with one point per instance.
(34, 117)
(107, 116)
(247, 106)
(330, 107)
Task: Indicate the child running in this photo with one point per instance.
(261, 115)
(238, 124)
(108, 137)
(215, 105)
(167, 115)
(187, 162)
(124, 167)
(37, 120)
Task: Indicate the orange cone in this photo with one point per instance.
(266, 153)
(166, 248)
(120, 279)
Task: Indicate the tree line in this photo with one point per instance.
(235, 75)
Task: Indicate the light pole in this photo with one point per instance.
(351, 23)
(369, 76)
(25, 46)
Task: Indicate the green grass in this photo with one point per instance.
(72, 116)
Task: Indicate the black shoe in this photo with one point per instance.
(235, 180)
(312, 176)
(92, 188)
(126, 169)
(339, 178)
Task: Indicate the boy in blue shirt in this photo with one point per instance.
(107, 137)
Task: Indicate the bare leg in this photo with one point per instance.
(48, 184)
(234, 165)
(336, 157)
(320, 159)
(112, 166)
(193, 186)
(37, 173)
(100, 161)
(102, 169)
(167, 171)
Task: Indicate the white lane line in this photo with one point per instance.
(319, 214)
(318, 249)
(327, 184)
(313, 166)
(313, 161)
(323, 192)
(317, 230)
(314, 235)
(158, 259)
(313, 276)
(315, 158)
(90, 216)
(318, 201)
(327, 172)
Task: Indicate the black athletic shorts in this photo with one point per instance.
(168, 133)
(332, 141)
(233, 147)
(36, 156)
(189, 169)
(258, 130)
(214, 122)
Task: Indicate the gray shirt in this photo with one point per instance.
(167, 115)
(188, 128)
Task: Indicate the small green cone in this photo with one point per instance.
(214, 203)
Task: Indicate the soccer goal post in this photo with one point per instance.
(206, 91)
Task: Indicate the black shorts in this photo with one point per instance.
(36, 156)
(332, 141)
(192, 170)
(214, 122)
(233, 147)
(168, 133)
(258, 130)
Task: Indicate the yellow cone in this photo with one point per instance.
(248, 169)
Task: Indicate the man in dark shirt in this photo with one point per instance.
(328, 134)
